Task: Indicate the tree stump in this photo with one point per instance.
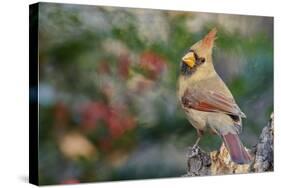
(201, 163)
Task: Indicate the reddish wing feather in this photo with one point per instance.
(202, 106)
(210, 101)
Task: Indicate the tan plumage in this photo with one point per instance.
(206, 100)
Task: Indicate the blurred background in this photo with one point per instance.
(107, 90)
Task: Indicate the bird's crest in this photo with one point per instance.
(209, 39)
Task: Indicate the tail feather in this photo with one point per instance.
(236, 149)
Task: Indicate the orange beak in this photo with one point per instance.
(189, 59)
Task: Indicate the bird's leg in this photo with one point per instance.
(197, 142)
(199, 134)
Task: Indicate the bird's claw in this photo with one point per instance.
(195, 147)
(195, 150)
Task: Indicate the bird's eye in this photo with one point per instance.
(202, 59)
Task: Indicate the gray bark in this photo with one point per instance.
(201, 163)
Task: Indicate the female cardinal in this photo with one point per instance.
(206, 100)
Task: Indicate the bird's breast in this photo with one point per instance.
(182, 86)
(197, 118)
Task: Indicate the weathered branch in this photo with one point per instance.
(200, 163)
(264, 149)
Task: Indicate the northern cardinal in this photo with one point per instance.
(206, 100)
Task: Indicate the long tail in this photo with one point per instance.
(236, 149)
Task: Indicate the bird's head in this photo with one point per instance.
(199, 54)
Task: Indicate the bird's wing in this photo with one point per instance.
(210, 101)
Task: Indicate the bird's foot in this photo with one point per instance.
(196, 143)
(194, 150)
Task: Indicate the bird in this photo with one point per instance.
(206, 100)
